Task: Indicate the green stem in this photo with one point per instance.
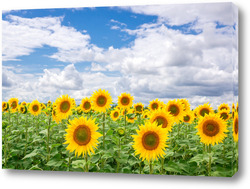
(26, 135)
(237, 154)
(119, 149)
(69, 163)
(162, 166)
(150, 167)
(86, 163)
(5, 148)
(210, 160)
(103, 130)
(140, 167)
(48, 137)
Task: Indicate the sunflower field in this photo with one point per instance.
(124, 137)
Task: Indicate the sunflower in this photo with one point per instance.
(236, 127)
(224, 114)
(121, 131)
(186, 105)
(138, 108)
(79, 110)
(130, 117)
(125, 100)
(24, 103)
(82, 136)
(188, 117)
(146, 114)
(35, 108)
(101, 100)
(175, 108)
(224, 107)
(150, 141)
(64, 105)
(211, 129)
(42, 106)
(155, 104)
(86, 104)
(23, 109)
(115, 115)
(5, 106)
(162, 118)
(13, 104)
(204, 109)
(237, 107)
(54, 116)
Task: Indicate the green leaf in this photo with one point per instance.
(32, 154)
(54, 163)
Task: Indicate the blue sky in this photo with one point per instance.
(163, 52)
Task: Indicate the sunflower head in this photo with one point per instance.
(162, 118)
(115, 114)
(150, 141)
(101, 100)
(86, 104)
(237, 107)
(224, 114)
(121, 131)
(175, 108)
(186, 105)
(24, 103)
(236, 127)
(125, 100)
(211, 129)
(81, 136)
(13, 104)
(64, 105)
(79, 111)
(42, 106)
(5, 106)
(23, 109)
(155, 105)
(224, 107)
(204, 109)
(35, 108)
(188, 117)
(146, 114)
(138, 107)
(54, 116)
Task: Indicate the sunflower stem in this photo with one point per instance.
(140, 167)
(150, 167)
(48, 137)
(162, 165)
(5, 147)
(237, 153)
(26, 135)
(210, 160)
(119, 149)
(86, 163)
(69, 163)
(103, 130)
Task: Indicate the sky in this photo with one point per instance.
(163, 51)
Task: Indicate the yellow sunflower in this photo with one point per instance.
(130, 117)
(138, 108)
(23, 109)
(35, 108)
(115, 114)
(24, 103)
(13, 104)
(150, 141)
(101, 100)
(237, 107)
(188, 117)
(79, 110)
(125, 100)
(42, 106)
(224, 114)
(175, 108)
(64, 105)
(5, 106)
(186, 105)
(155, 104)
(146, 114)
(82, 136)
(54, 116)
(236, 127)
(162, 118)
(204, 109)
(224, 107)
(86, 104)
(211, 129)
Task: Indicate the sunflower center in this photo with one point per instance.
(204, 111)
(35, 108)
(224, 116)
(223, 108)
(116, 114)
(174, 110)
(86, 105)
(150, 140)
(82, 135)
(125, 101)
(101, 101)
(161, 121)
(236, 129)
(211, 128)
(65, 106)
(138, 108)
(186, 118)
(154, 106)
(13, 105)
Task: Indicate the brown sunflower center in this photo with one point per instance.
(101, 101)
(13, 105)
(154, 106)
(82, 135)
(161, 121)
(138, 108)
(236, 129)
(186, 118)
(223, 108)
(150, 140)
(35, 108)
(204, 111)
(125, 101)
(211, 128)
(64, 106)
(116, 114)
(174, 110)
(224, 116)
(86, 105)
(146, 116)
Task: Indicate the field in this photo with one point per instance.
(100, 136)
